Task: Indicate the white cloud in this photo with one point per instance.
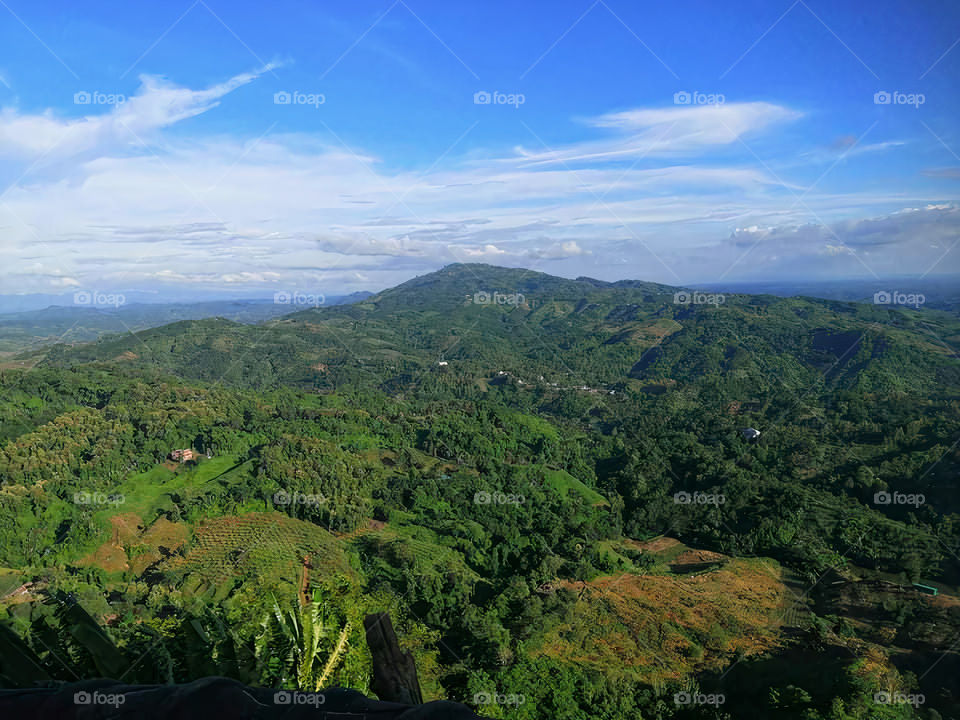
(559, 251)
(156, 105)
(291, 209)
(486, 252)
(847, 147)
(64, 281)
(909, 241)
(363, 244)
(667, 131)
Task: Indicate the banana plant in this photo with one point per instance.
(300, 639)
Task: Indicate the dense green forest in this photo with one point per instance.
(544, 481)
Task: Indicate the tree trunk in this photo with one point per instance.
(394, 671)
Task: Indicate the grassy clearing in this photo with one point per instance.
(143, 493)
(565, 483)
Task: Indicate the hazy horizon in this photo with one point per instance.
(846, 288)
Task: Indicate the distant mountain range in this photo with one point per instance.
(938, 292)
(81, 323)
(27, 302)
(32, 321)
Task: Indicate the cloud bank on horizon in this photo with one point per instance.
(243, 183)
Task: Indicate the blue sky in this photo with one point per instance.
(679, 142)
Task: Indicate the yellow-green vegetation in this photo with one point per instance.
(264, 546)
(657, 628)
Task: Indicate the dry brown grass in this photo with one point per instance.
(697, 557)
(132, 548)
(657, 544)
(661, 627)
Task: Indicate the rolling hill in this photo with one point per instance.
(80, 323)
(544, 479)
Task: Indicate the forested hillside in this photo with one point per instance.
(545, 481)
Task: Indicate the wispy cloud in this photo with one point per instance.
(157, 104)
(950, 173)
(846, 147)
(669, 131)
(300, 208)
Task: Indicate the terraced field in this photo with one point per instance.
(266, 546)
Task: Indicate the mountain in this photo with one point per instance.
(545, 480)
(597, 351)
(482, 320)
(73, 324)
